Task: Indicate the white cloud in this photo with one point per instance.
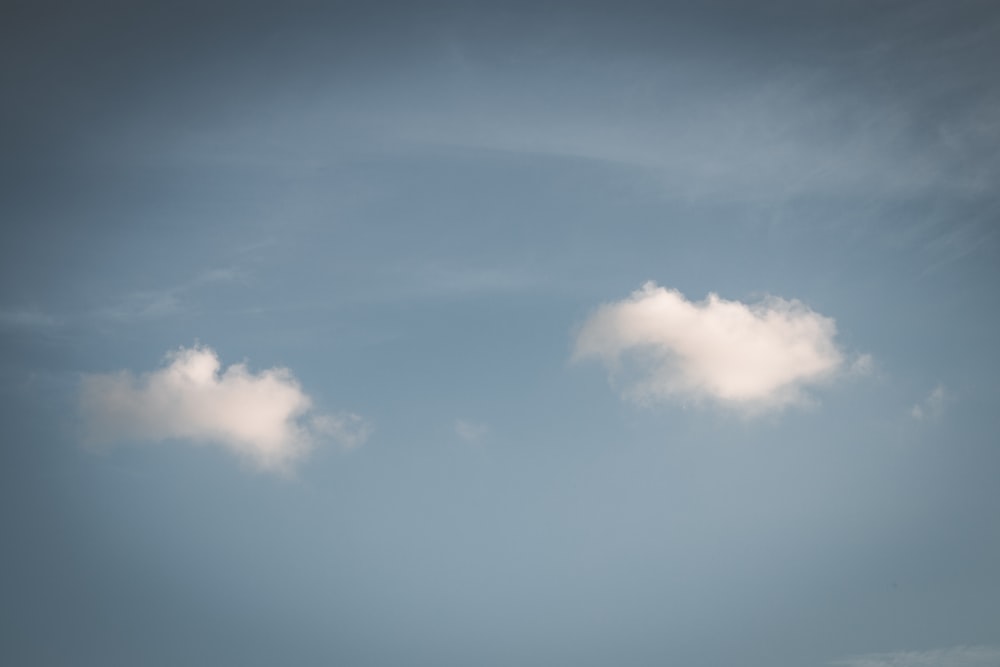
(470, 431)
(958, 656)
(932, 406)
(265, 417)
(660, 346)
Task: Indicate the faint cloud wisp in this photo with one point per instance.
(349, 429)
(932, 407)
(470, 432)
(958, 656)
(147, 305)
(26, 320)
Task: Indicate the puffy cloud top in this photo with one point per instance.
(754, 356)
(260, 416)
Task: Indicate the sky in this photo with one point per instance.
(584, 334)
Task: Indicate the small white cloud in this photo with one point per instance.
(470, 431)
(260, 416)
(958, 656)
(660, 346)
(932, 407)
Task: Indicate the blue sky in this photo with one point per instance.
(557, 334)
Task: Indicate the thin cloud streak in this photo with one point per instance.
(958, 656)
(27, 320)
(167, 302)
(469, 431)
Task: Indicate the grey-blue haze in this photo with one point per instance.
(413, 207)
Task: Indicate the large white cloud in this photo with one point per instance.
(264, 417)
(660, 346)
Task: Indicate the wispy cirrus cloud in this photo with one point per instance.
(29, 319)
(145, 305)
(264, 417)
(659, 346)
(957, 656)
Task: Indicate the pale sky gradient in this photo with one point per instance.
(446, 334)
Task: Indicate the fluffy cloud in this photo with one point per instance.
(959, 656)
(265, 417)
(660, 346)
